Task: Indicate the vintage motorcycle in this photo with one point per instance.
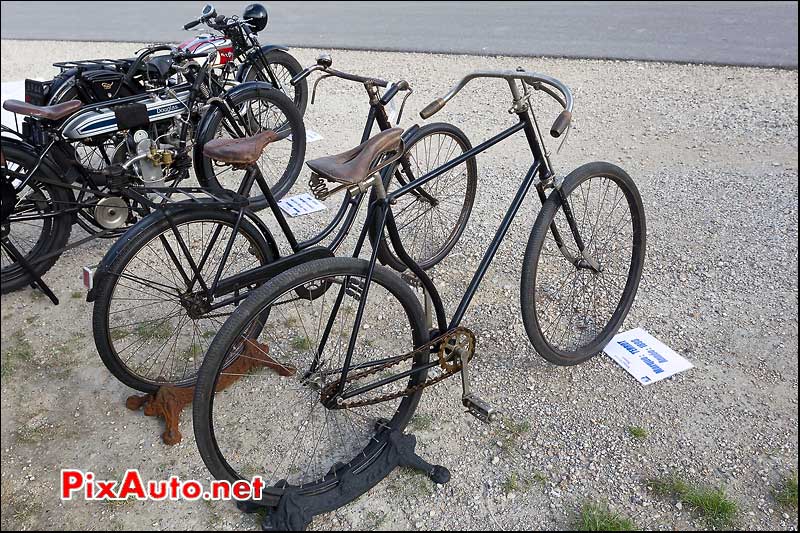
(240, 58)
(46, 189)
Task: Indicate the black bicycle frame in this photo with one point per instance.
(301, 251)
(381, 208)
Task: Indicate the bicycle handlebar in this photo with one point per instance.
(324, 64)
(535, 80)
(401, 85)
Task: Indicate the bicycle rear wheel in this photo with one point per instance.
(150, 327)
(432, 218)
(276, 426)
(571, 310)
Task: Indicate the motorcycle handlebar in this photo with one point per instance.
(192, 24)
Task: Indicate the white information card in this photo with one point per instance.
(645, 357)
(302, 204)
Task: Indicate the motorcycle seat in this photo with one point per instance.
(47, 112)
(244, 151)
(355, 165)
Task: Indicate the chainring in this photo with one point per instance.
(448, 347)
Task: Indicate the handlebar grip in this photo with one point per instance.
(432, 108)
(401, 85)
(192, 24)
(561, 124)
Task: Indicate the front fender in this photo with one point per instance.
(265, 49)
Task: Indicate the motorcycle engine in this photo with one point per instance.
(150, 160)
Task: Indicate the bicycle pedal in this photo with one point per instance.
(479, 408)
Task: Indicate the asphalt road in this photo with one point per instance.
(737, 33)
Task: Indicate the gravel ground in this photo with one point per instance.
(714, 153)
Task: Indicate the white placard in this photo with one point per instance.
(11, 90)
(302, 204)
(645, 357)
(311, 136)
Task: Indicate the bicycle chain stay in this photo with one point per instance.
(448, 348)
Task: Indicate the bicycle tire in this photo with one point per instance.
(545, 346)
(212, 126)
(122, 254)
(421, 164)
(363, 467)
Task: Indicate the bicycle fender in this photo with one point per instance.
(102, 269)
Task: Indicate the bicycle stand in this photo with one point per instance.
(37, 282)
(295, 511)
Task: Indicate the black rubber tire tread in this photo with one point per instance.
(124, 251)
(207, 378)
(531, 260)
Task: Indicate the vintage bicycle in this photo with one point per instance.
(165, 287)
(362, 352)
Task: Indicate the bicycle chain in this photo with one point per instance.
(449, 365)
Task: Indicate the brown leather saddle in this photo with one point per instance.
(355, 165)
(244, 151)
(47, 112)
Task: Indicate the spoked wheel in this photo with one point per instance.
(284, 67)
(39, 225)
(259, 108)
(152, 319)
(431, 219)
(276, 425)
(573, 303)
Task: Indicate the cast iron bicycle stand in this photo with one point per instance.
(295, 512)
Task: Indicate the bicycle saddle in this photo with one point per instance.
(47, 112)
(355, 165)
(244, 151)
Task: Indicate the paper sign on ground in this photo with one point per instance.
(645, 357)
(302, 204)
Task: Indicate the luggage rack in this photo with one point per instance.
(187, 196)
(92, 63)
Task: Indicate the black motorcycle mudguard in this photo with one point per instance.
(266, 48)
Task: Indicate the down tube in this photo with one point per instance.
(495, 244)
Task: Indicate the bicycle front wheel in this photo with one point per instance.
(274, 424)
(259, 108)
(573, 303)
(431, 218)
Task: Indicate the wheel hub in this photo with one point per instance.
(195, 304)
